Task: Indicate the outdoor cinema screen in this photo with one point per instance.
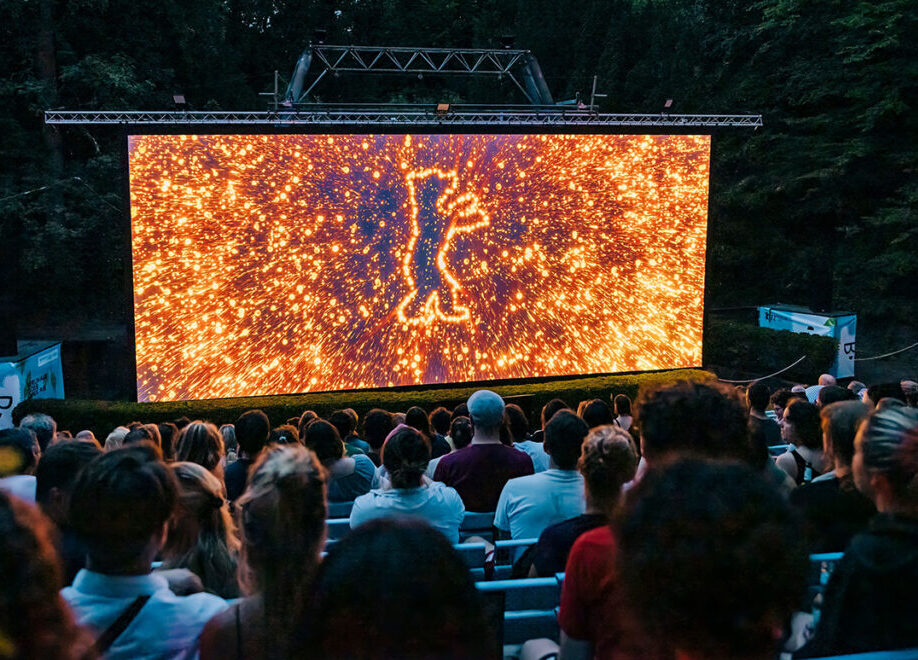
(269, 264)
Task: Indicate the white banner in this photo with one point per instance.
(840, 327)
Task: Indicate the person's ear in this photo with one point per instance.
(882, 490)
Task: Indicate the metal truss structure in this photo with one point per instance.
(376, 115)
(519, 66)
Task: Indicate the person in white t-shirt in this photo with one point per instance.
(19, 454)
(405, 455)
(120, 505)
(529, 504)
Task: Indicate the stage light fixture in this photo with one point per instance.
(179, 100)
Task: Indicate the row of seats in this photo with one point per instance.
(473, 524)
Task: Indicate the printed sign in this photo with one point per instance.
(38, 376)
(841, 328)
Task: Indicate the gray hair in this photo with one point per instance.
(115, 439)
(43, 426)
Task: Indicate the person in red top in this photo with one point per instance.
(478, 472)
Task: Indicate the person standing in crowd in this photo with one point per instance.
(760, 426)
(870, 601)
(35, 622)
(348, 476)
(710, 562)
(424, 603)
(252, 431)
(479, 471)
(607, 462)
(405, 457)
(834, 510)
(282, 523)
(804, 458)
(57, 472)
(529, 504)
(120, 506)
(201, 536)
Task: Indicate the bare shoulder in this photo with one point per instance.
(218, 639)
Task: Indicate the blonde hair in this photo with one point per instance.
(202, 535)
(608, 460)
(201, 443)
(889, 445)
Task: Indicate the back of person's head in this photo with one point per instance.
(758, 396)
(597, 412)
(416, 417)
(201, 443)
(89, 437)
(201, 534)
(405, 457)
(564, 436)
(461, 410)
(56, 473)
(549, 410)
(706, 419)
(182, 422)
(461, 432)
(19, 452)
(607, 462)
(144, 433)
(517, 423)
(343, 422)
(282, 525)
(803, 417)
(840, 422)
(881, 391)
(252, 431)
(832, 394)
(887, 445)
(486, 409)
(711, 560)
(307, 416)
(115, 439)
(119, 503)
(377, 424)
(35, 622)
(323, 438)
(43, 426)
(622, 404)
(425, 603)
(781, 398)
(355, 418)
(826, 380)
(169, 433)
(439, 420)
(285, 434)
(228, 431)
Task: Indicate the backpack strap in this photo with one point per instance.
(113, 632)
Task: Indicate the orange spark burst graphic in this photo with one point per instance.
(268, 264)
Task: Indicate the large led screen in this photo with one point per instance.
(268, 264)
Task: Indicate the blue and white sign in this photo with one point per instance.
(841, 327)
(30, 375)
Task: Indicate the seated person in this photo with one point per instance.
(202, 443)
(869, 602)
(439, 423)
(757, 398)
(377, 425)
(43, 426)
(424, 603)
(252, 432)
(833, 509)
(479, 472)
(19, 454)
(120, 506)
(55, 476)
(348, 476)
(529, 504)
(460, 433)
(522, 440)
(621, 405)
(801, 429)
(710, 561)
(608, 461)
(405, 456)
(345, 424)
(35, 622)
(282, 525)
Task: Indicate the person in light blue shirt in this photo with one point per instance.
(519, 431)
(120, 505)
(529, 504)
(405, 456)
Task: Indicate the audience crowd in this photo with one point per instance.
(682, 523)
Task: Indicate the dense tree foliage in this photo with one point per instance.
(817, 208)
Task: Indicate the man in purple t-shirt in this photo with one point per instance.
(478, 472)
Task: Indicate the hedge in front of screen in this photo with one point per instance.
(102, 416)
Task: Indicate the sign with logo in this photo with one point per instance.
(841, 327)
(35, 375)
